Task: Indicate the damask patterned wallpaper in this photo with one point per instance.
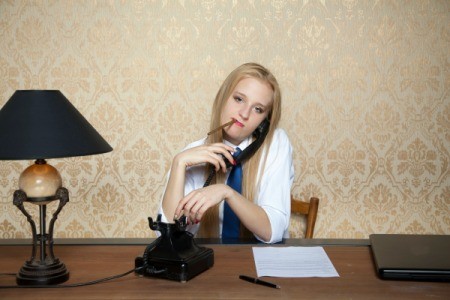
(365, 90)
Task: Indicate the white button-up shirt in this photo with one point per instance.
(274, 192)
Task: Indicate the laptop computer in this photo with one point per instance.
(411, 257)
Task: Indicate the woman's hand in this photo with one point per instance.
(205, 154)
(196, 203)
(213, 154)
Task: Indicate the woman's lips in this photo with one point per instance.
(238, 123)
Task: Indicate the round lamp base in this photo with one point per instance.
(42, 274)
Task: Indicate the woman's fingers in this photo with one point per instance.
(216, 154)
(223, 152)
(197, 202)
(188, 207)
(185, 207)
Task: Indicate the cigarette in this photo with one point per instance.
(222, 126)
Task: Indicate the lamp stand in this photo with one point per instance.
(47, 269)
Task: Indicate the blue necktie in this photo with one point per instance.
(231, 223)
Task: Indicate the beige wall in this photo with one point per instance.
(366, 102)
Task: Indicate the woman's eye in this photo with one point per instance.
(259, 110)
(238, 99)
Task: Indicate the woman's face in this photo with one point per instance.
(249, 104)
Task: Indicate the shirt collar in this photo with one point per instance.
(244, 144)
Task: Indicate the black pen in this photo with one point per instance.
(258, 281)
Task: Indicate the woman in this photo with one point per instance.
(248, 96)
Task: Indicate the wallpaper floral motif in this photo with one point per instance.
(366, 103)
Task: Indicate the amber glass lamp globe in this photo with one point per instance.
(40, 181)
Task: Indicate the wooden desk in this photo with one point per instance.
(357, 279)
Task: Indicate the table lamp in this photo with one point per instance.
(39, 125)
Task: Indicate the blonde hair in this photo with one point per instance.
(210, 221)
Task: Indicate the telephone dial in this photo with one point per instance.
(174, 254)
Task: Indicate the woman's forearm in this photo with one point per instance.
(174, 190)
(252, 216)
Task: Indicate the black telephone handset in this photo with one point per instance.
(259, 134)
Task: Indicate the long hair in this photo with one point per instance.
(254, 165)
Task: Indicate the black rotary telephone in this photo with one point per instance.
(175, 255)
(259, 134)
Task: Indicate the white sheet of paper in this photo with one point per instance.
(293, 262)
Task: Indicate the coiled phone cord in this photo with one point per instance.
(210, 178)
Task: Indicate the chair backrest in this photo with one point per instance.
(309, 209)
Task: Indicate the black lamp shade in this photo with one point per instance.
(40, 124)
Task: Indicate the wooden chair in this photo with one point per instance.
(309, 209)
